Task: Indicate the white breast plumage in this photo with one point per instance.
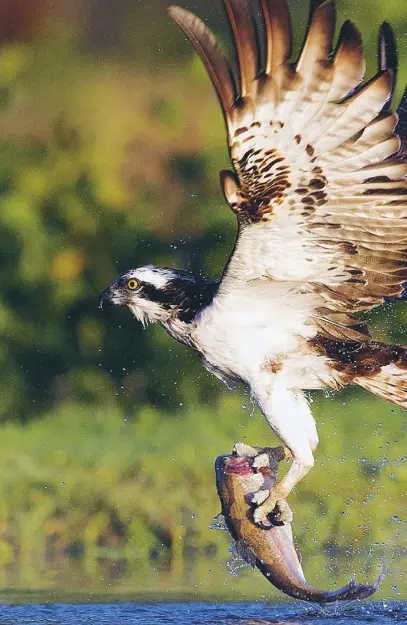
(244, 329)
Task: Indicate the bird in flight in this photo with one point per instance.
(320, 194)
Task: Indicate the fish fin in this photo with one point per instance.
(245, 552)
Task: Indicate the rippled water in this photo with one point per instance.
(203, 614)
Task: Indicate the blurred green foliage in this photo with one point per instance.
(109, 161)
(95, 501)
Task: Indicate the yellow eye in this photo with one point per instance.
(133, 284)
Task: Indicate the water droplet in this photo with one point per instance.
(218, 523)
(235, 562)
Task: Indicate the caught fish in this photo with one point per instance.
(271, 551)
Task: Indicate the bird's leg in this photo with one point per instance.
(275, 504)
(289, 415)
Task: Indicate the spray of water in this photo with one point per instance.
(218, 523)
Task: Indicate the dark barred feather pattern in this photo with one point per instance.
(315, 156)
(320, 164)
(377, 367)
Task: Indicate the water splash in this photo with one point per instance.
(236, 561)
(219, 523)
(386, 462)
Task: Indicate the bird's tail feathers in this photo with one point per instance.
(389, 383)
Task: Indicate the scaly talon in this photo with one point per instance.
(273, 512)
(287, 453)
(243, 449)
(262, 460)
(284, 514)
(260, 497)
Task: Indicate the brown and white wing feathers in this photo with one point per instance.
(319, 189)
(212, 56)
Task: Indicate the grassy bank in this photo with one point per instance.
(125, 504)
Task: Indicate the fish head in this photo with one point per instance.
(237, 479)
(272, 551)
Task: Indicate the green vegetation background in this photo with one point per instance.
(110, 146)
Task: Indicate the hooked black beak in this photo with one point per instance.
(106, 297)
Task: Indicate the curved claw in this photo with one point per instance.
(260, 497)
(273, 512)
(262, 460)
(243, 449)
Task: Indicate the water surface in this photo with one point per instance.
(357, 613)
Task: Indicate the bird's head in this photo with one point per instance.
(156, 294)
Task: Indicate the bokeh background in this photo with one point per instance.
(111, 141)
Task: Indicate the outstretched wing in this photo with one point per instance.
(319, 190)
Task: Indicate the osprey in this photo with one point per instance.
(320, 194)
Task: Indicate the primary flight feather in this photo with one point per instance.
(320, 194)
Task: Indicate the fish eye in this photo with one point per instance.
(133, 284)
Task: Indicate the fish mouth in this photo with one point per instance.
(239, 465)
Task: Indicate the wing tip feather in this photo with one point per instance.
(177, 13)
(387, 56)
(350, 33)
(211, 54)
(387, 47)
